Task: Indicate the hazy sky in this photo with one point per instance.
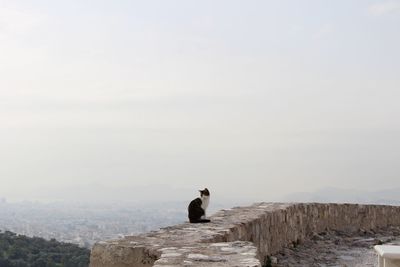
(258, 98)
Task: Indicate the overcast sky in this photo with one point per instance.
(250, 98)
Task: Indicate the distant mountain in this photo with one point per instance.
(22, 251)
(157, 195)
(338, 195)
(97, 192)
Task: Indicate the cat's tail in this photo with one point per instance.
(200, 221)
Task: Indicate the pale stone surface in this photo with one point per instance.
(269, 226)
(240, 253)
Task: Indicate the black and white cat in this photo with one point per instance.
(197, 208)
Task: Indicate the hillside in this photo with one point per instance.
(22, 251)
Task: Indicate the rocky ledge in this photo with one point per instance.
(270, 227)
(337, 248)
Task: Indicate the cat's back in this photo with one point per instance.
(195, 203)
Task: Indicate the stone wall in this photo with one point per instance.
(242, 236)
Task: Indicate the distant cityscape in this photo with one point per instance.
(85, 224)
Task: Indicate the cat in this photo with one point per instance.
(197, 208)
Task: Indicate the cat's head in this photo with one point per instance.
(204, 192)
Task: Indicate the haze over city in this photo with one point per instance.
(153, 100)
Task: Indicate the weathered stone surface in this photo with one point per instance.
(228, 254)
(269, 226)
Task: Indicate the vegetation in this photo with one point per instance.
(267, 262)
(22, 251)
